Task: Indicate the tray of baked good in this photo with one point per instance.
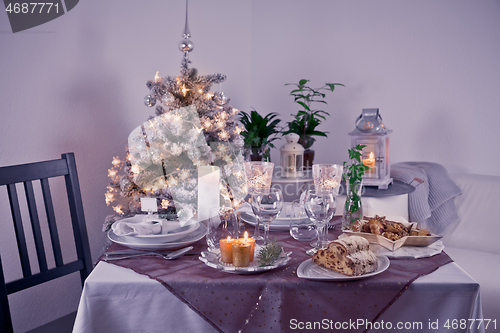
(392, 232)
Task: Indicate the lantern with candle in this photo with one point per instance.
(292, 156)
(371, 132)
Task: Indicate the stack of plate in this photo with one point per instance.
(173, 235)
(282, 222)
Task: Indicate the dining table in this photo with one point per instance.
(427, 293)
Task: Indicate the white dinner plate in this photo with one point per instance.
(283, 216)
(275, 225)
(188, 239)
(309, 270)
(282, 222)
(212, 259)
(171, 231)
(409, 252)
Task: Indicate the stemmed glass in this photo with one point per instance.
(301, 227)
(259, 176)
(266, 205)
(320, 206)
(222, 223)
(327, 177)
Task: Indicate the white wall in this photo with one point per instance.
(77, 84)
(431, 67)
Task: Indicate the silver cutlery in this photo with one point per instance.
(169, 256)
(311, 252)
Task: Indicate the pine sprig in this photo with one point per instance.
(269, 253)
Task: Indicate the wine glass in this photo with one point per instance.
(266, 205)
(221, 224)
(320, 206)
(327, 177)
(301, 227)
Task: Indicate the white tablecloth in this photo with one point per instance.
(116, 299)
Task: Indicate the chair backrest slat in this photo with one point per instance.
(77, 216)
(18, 227)
(33, 171)
(51, 220)
(35, 225)
(42, 171)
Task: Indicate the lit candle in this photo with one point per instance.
(226, 249)
(250, 241)
(208, 190)
(241, 254)
(370, 161)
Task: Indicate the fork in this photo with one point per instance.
(170, 256)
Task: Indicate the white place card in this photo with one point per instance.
(149, 205)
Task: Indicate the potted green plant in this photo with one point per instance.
(259, 133)
(308, 118)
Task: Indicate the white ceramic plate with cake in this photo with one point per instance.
(309, 270)
(393, 245)
(347, 258)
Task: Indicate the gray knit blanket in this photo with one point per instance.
(432, 203)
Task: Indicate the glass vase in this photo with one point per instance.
(353, 208)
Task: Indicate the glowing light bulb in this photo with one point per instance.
(157, 77)
(135, 169)
(112, 173)
(118, 209)
(116, 161)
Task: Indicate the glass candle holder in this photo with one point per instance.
(259, 176)
(327, 177)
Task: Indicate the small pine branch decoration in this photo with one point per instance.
(269, 253)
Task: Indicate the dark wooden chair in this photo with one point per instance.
(28, 174)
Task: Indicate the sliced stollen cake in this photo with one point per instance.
(349, 255)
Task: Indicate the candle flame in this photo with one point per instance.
(372, 156)
(245, 235)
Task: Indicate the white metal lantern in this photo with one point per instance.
(292, 157)
(372, 133)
